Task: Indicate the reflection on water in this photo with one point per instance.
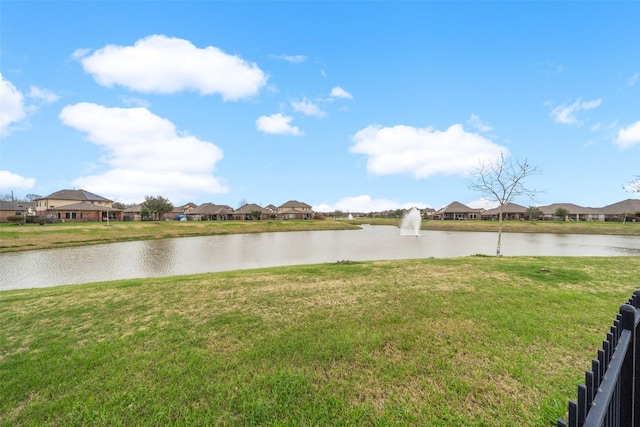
(157, 257)
(190, 255)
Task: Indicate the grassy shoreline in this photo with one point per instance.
(474, 341)
(32, 236)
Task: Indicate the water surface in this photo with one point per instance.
(190, 255)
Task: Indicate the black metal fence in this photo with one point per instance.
(610, 396)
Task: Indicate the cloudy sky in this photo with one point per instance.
(356, 106)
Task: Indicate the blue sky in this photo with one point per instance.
(356, 106)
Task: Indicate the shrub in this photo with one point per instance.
(16, 219)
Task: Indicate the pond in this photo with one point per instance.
(190, 255)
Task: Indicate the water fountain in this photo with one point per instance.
(410, 225)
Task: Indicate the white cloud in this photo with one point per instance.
(629, 136)
(160, 64)
(365, 203)
(12, 107)
(134, 101)
(42, 95)
(422, 152)
(277, 124)
(78, 54)
(478, 124)
(568, 114)
(482, 203)
(338, 92)
(11, 181)
(633, 79)
(144, 154)
(294, 59)
(307, 108)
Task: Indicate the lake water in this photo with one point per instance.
(190, 255)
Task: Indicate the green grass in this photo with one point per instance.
(477, 341)
(34, 236)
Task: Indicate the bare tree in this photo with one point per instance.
(501, 180)
(634, 186)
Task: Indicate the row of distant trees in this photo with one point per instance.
(9, 197)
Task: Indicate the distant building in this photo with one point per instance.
(294, 209)
(10, 208)
(77, 205)
(456, 211)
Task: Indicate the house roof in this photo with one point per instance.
(83, 206)
(507, 208)
(249, 207)
(211, 209)
(570, 207)
(625, 206)
(16, 206)
(293, 204)
(133, 209)
(456, 207)
(80, 195)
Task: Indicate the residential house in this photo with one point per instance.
(457, 211)
(180, 210)
(11, 208)
(247, 212)
(77, 205)
(427, 213)
(575, 212)
(294, 209)
(210, 211)
(133, 213)
(626, 210)
(510, 211)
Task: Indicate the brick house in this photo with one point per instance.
(245, 212)
(294, 209)
(212, 212)
(574, 212)
(10, 208)
(77, 206)
(456, 210)
(625, 210)
(510, 211)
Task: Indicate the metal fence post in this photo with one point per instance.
(627, 381)
(636, 363)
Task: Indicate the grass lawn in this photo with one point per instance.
(474, 341)
(33, 236)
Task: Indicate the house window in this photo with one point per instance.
(18, 213)
(70, 215)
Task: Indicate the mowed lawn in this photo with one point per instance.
(33, 236)
(474, 341)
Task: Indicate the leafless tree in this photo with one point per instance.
(634, 186)
(501, 180)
